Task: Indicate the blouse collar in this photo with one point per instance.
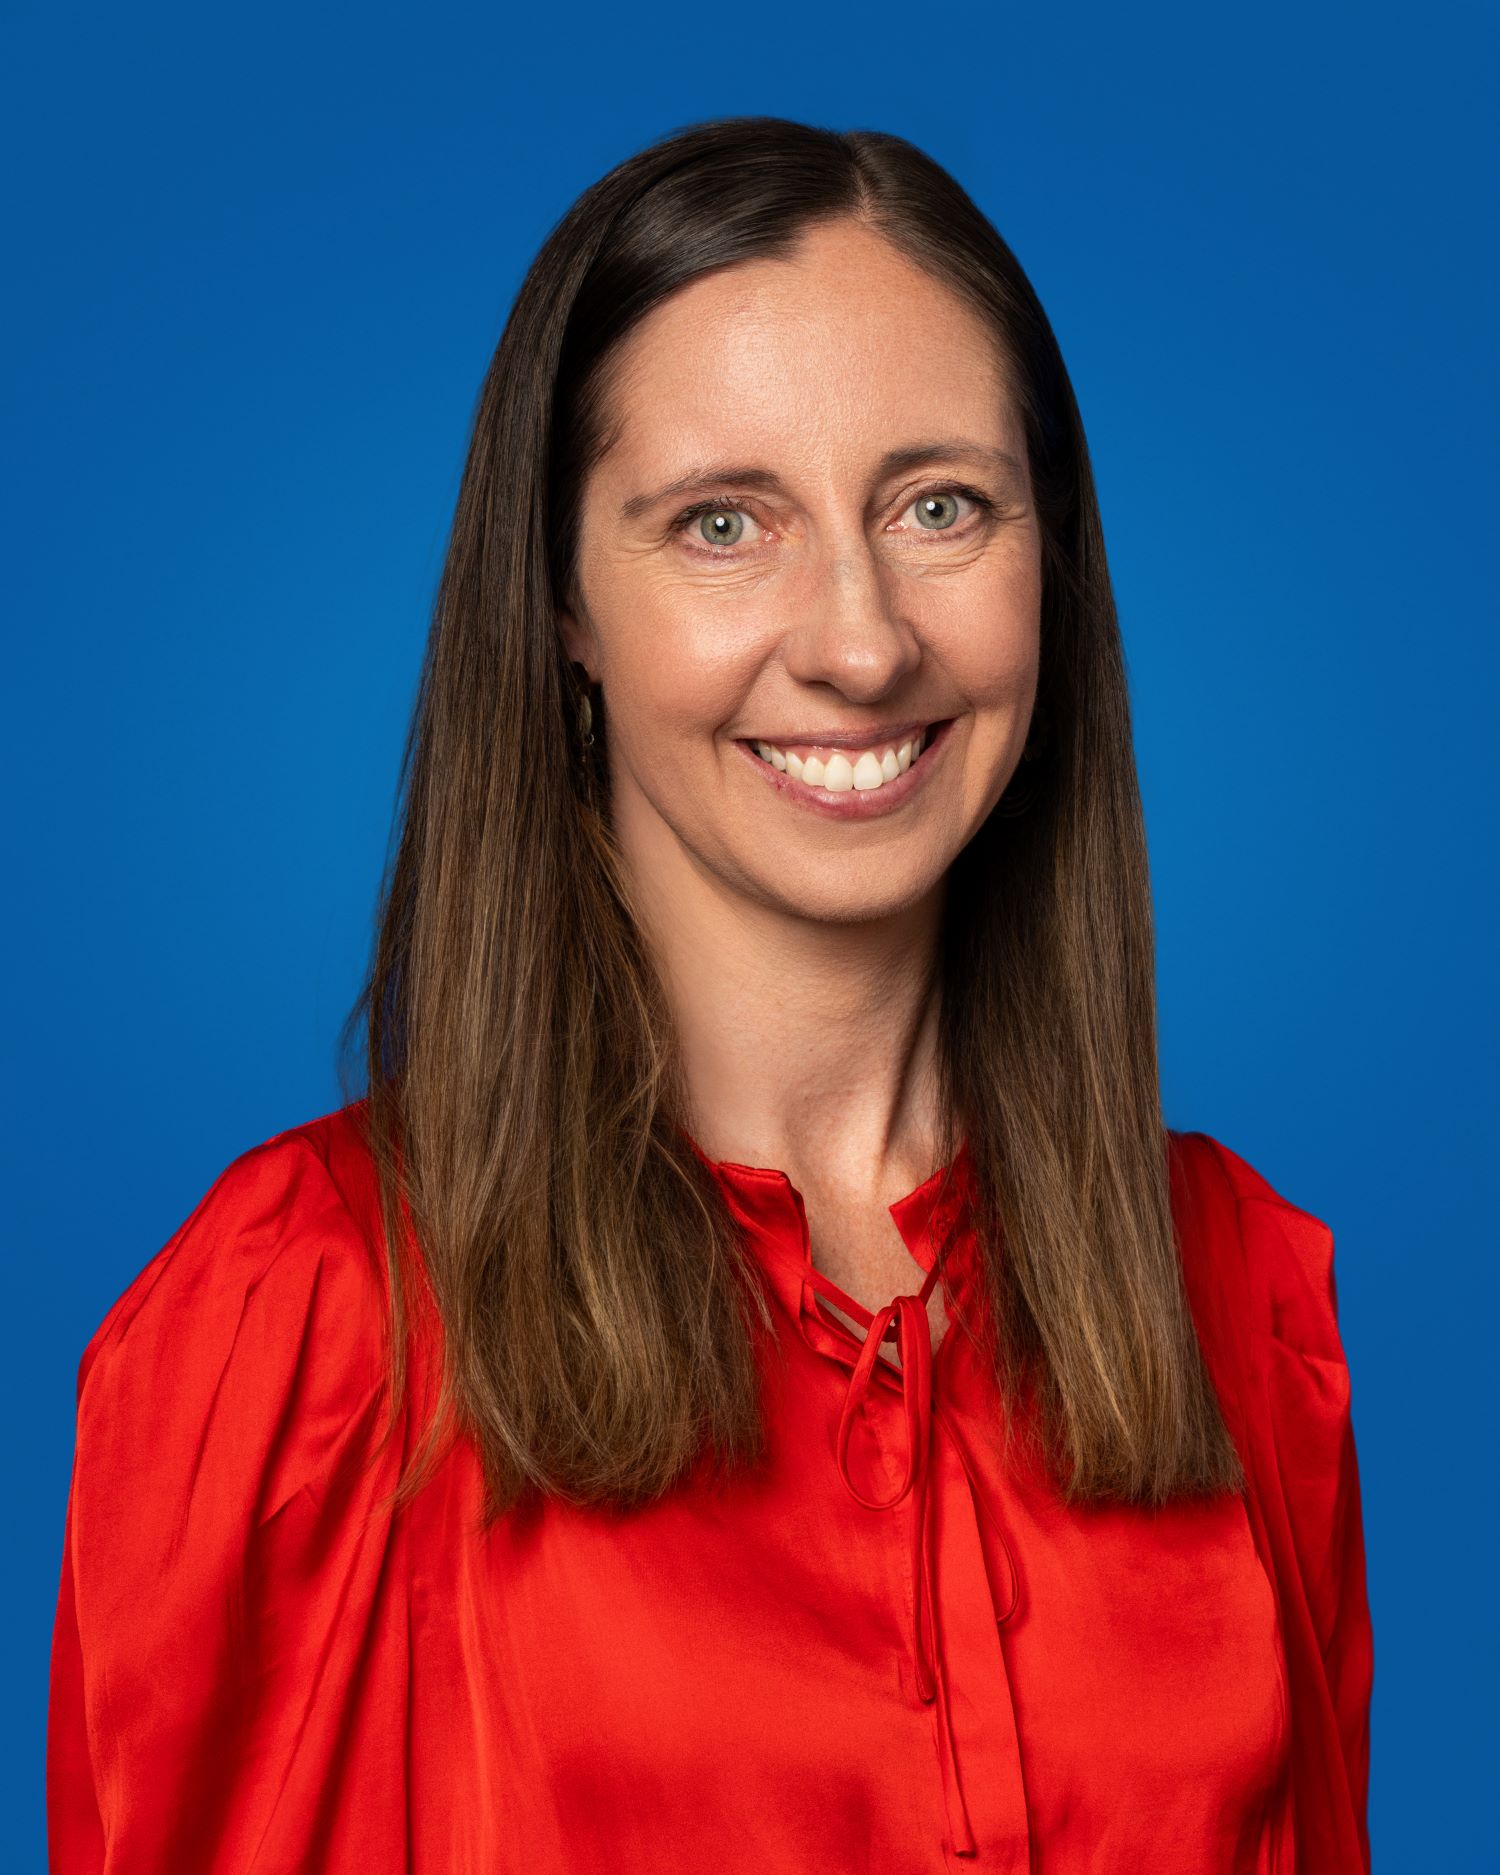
(773, 1218)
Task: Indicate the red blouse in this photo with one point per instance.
(886, 1650)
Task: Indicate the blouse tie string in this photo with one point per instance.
(905, 1320)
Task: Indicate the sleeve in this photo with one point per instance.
(222, 1554)
(1310, 1396)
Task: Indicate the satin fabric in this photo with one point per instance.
(885, 1650)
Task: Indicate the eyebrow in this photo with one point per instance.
(910, 456)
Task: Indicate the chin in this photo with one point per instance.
(856, 898)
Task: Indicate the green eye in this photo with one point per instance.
(939, 511)
(722, 527)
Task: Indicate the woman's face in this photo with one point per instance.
(863, 566)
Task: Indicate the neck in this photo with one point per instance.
(805, 1045)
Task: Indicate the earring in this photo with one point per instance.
(584, 717)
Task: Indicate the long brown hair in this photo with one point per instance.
(522, 1091)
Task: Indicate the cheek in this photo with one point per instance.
(990, 644)
(681, 667)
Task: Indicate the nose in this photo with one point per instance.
(848, 628)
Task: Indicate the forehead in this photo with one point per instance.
(841, 349)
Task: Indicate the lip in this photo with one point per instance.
(858, 803)
(870, 737)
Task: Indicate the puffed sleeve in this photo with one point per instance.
(1310, 1399)
(218, 1617)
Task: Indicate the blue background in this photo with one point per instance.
(259, 261)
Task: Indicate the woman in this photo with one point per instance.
(752, 1383)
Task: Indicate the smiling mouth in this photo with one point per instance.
(842, 770)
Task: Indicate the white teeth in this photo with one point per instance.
(870, 768)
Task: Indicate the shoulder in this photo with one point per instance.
(1287, 1251)
(268, 1302)
(290, 1199)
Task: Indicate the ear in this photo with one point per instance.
(579, 642)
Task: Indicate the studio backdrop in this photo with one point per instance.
(257, 267)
